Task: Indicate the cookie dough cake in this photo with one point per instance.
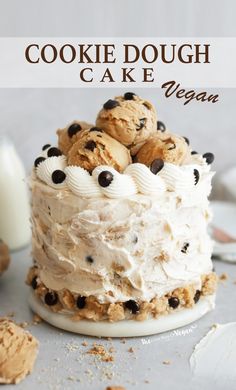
(119, 226)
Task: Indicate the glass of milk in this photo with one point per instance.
(14, 201)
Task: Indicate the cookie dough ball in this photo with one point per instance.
(18, 351)
(94, 147)
(69, 135)
(129, 119)
(4, 257)
(166, 146)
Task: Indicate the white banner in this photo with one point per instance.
(118, 62)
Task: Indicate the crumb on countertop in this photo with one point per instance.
(223, 276)
(36, 319)
(166, 362)
(99, 350)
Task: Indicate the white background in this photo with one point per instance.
(31, 117)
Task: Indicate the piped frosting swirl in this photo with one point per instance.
(137, 178)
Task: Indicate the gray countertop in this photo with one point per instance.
(63, 362)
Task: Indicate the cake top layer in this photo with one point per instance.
(127, 152)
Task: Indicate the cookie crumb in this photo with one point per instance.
(11, 314)
(71, 378)
(23, 324)
(115, 388)
(84, 343)
(223, 276)
(36, 319)
(166, 362)
(131, 350)
(108, 358)
(99, 350)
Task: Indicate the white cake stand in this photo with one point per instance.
(125, 328)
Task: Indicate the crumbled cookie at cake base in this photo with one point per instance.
(182, 297)
(209, 283)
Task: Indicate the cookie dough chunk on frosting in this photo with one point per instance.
(166, 146)
(4, 257)
(129, 119)
(18, 351)
(69, 135)
(94, 147)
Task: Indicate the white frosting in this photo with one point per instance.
(121, 186)
(179, 178)
(146, 181)
(137, 178)
(81, 183)
(214, 356)
(200, 160)
(135, 242)
(45, 169)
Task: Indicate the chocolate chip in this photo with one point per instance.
(157, 165)
(34, 283)
(38, 161)
(51, 298)
(81, 302)
(58, 176)
(110, 104)
(129, 95)
(142, 123)
(90, 145)
(197, 296)
(46, 146)
(186, 140)
(105, 178)
(173, 302)
(73, 129)
(132, 306)
(161, 126)
(194, 152)
(185, 247)
(54, 152)
(96, 129)
(196, 176)
(135, 240)
(89, 259)
(209, 157)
